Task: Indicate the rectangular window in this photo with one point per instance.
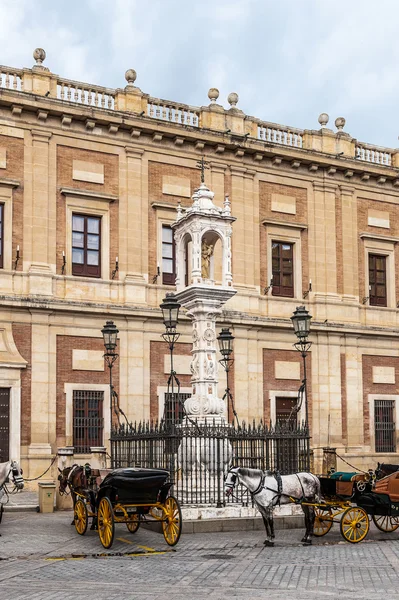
(88, 422)
(384, 424)
(168, 256)
(86, 245)
(377, 280)
(1, 235)
(283, 269)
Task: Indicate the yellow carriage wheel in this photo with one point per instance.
(80, 517)
(354, 524)
(133, 523)
(171, 521)
(105, 522)
(323, 521)
(385, 523)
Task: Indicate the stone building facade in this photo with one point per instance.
(90, 179)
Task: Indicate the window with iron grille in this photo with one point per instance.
(86, 245)
(378, 280)
(384, 423)
(283, 269)
(168, 256)
(173, 410)
(1, 235)
(88, 422)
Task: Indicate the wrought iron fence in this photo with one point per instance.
(199, 457)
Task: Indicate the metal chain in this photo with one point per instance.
(51, 464)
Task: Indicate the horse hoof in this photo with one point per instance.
(268, 543)
(307, 542)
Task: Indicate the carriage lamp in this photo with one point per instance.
(225, 340)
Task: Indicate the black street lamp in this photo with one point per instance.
(170, 314)
(110, 333)
(301, 322)
(225, 339)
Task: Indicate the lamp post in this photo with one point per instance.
(301, 322)
(225, 340)
(170, 314)
(110, 333)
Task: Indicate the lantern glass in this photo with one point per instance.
(170, 311)
(225, 339)
(110, 333)
(301, 322)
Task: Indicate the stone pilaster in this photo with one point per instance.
(349, 243)
(42, 405)
(134, 226)
(37, 212)
(325, 244)
(238, 208)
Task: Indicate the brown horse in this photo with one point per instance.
(384, 469)
(80, 480)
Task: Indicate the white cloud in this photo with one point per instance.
(288, 60)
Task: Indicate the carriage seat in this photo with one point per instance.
(389, 485)
(345, 481)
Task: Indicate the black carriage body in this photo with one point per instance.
(379, 505)
(135, 486)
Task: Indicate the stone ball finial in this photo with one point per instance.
(340, 123)
(39, 55)
(323, 119)
(213, 94)
(232, 99)
(130, 76)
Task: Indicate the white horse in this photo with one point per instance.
(9, 471)
(269, 489)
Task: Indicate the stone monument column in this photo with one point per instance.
(204, 225)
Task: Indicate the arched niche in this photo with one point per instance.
(212, 256)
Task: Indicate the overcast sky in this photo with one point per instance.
(288, 60)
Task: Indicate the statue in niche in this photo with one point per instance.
(206, 253)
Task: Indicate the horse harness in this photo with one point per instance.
(279, 492)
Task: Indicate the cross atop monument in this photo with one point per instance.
(202, 165)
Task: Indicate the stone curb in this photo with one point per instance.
(21, 508)
(233, 524)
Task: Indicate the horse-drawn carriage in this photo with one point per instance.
(131, 496)
(354, 497)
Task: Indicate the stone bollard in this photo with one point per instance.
(329, 460)
(98, 457)
(65, 459)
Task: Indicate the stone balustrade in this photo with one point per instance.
(40, 81)
(83, 93)
(276, 134)
(173, 112)
(374, 154)
(11, 79)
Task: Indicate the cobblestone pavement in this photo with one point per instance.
(42, 558)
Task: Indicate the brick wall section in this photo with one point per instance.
(157, 375)
(265, 212)
(288, 385)
(22, 334)
(338, 243)
(368, 362)
(344, 400)
(363, 206)
(156, 171)
(65, 373)
(15, 170)
(65, 157)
